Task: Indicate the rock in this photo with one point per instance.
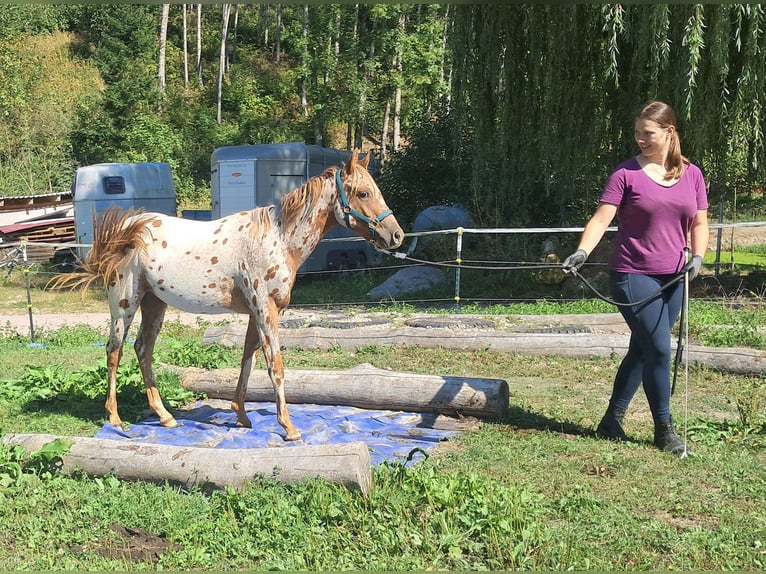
(407, 280)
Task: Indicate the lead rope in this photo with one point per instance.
(683, 333)
(685, 328)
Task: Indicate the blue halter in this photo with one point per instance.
(349, 211)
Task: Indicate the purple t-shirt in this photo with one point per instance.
(654, 220)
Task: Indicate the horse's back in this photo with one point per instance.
(199, 266)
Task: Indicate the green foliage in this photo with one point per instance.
(548, 123)
(50, 384)
(432, 171)
(419, 518)
(494, 113)
(191, 353)
(714, 324)
(16, 464)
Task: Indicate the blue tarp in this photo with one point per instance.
(390, 435)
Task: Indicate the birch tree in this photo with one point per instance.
(226, 11)
(163, 47)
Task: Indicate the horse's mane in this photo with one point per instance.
(299, 203)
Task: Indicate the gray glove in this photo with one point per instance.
(693, 267)
(575, 261)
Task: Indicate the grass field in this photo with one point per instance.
(533, 491)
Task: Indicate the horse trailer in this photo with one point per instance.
(249, 176)
(98, 187)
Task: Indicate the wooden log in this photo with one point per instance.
(365, 387)
(739, 360)
(208, 468)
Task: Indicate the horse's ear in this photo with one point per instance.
(366, 161)
(349, 167)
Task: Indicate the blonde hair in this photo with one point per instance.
(664, 116)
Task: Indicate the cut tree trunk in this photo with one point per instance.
(737, 360)
(208, 468)
(365, 387)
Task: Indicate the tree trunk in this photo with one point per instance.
(398, 88)
(199, 45)
(278, 34)
(207, 468)
(305, 62)
(186, 50)
(233, 51)
(364, 387)
(384, 133)
(397, 116)
(222, 57)
(163, 48)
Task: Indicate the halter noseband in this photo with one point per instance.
(349, 211)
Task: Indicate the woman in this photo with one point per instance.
(659, 199)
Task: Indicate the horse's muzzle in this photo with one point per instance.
(389, 234)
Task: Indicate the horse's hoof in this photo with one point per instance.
(294, 436)
(169, 423)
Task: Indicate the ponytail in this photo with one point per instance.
(675, 161)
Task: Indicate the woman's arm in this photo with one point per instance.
(700, 234)
(596, 227)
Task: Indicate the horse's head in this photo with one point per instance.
(361, 206)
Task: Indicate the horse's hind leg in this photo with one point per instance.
(122, 313)
(152, 316)
(252, 343)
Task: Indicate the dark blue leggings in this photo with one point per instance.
(649, 353)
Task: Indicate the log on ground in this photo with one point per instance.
(738, 360)
(365, 387)
(208, 468)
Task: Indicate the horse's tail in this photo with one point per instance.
(118, 234)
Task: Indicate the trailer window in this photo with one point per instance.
(114, 184)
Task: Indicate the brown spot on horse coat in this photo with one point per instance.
(156, 223)
(271, 272)
(124, 303)
(164, 244)
(213, 260)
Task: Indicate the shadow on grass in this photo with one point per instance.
(132, 406)
(524, 420)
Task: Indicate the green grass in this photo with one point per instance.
(533, 491)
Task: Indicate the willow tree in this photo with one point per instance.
(549, 93)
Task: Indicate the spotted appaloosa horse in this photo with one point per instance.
(243, 263)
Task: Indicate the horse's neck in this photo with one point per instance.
(303, 235)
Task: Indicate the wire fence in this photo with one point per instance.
(473, 267)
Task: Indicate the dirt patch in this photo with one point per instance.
(737, 236)
(131, 544)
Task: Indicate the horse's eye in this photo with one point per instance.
(363, 194)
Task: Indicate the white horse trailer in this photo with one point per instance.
(127, 185)
(249, 176)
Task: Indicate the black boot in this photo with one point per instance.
(665, 438)
(610, 426)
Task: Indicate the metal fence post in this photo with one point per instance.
(29, 290)
(718, 241)
(458, 260)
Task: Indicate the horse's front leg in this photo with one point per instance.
(273, 356)
(252, 342)
(152, 316)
